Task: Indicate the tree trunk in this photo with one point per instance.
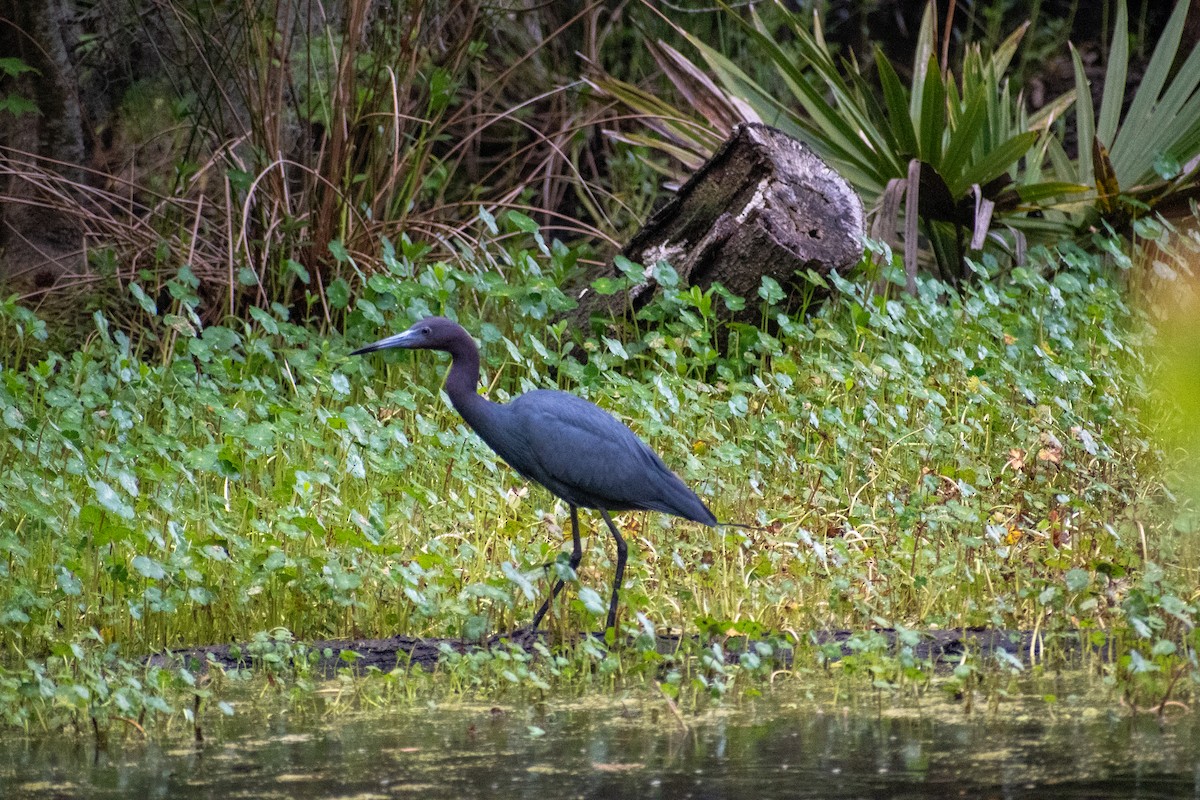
(763, 205)
(37, 243)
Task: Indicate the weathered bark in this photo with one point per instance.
(36, 242)
(763, 205)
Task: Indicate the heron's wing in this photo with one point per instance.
(588, 457)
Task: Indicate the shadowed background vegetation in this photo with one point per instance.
(271, 148)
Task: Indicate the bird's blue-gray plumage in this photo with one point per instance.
(574, 448)
(586, 456)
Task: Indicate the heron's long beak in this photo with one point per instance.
(405, 339)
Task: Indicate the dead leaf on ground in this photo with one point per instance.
(1051, 450)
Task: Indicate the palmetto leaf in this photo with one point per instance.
(1119, 157)
(964, 136)
(931, 124)
(1085, 118)
(1034, 193)
(995, 163)
(1114, 78)
(954, 150)
(897, 105)
(1156, 121)
(1107, 186)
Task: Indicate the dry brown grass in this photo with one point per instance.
(303, 130)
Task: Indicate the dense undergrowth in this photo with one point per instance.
(972, 456)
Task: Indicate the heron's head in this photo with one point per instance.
(431, 333)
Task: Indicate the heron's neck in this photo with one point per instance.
(462, 384)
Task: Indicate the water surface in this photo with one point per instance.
(780, 746)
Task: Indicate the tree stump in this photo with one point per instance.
(764, 204)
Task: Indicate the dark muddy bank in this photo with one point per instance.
(944, 647)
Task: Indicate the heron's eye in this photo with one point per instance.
(427, 330)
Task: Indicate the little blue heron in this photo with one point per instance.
(574, 448)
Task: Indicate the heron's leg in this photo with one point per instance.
(576, 557)
(617, 579)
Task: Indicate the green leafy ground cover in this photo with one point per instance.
(978, 456)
